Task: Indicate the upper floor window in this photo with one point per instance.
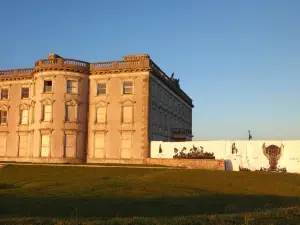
(47, 86)
(4, 93)
(71, 86)
(3, 117)
(101, 88)
(70, 113)
(25, 92)
(71, 108)
(47, 113)
(127, 87)
(101, 114)
(24, 116)
(127, 114)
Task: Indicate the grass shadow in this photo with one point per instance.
(109, 207)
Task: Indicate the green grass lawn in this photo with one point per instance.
(31, 194)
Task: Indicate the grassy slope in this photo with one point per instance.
(68, 192)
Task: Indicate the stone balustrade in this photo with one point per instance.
(16, 71)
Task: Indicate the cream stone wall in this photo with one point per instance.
(167, 110)
(113, 127)
(10, 131)
(56, 128)
(249, 154)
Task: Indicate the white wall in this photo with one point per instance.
(250, 153)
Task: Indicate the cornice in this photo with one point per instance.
(120, 71)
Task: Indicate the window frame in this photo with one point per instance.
(124, 88)
(44, 86)
(132, 114)
(23, 87)
(74, 81)
(21, 116)
(97, 88)
(1, 117)
(43, 113)
(73, 103)
(4, 88)
(49, 146)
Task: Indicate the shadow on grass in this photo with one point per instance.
(83, 207)
(7, 186)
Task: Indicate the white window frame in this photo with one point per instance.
(45, 132)
(66, 133)
(100, 104)
(44, 87)
(127, 103)
(1, 94)
(44, 102)
(67, 87)
(101, 82)
(22, 121)
(104, 143)
(25, 86)
(132, 87)
(74, 103)
(4, 108)
(21, 134)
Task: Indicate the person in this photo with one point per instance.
(250, 136)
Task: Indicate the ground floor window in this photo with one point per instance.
(45, 145)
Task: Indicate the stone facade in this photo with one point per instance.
(66, 110)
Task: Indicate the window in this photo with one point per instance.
(4, 93)
(70, 113)
(24, 116)
(101, 88)
(3, 117)
(23, 143)
(71, 86)
(47, 86)
(70, 145)
(126, 139)
(101, 114)
(127, 114)
(25, 92)
(45, 145)
(99, 145)
(47, 113)
(127, 87)
(2, 144)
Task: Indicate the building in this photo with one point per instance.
(66, 110)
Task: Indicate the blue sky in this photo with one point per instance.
(238, 60)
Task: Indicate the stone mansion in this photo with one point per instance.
(65, 110)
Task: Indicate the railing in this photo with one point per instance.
(62, 63)
(122, 64)
(16, 71)
(103, 65)
(181, 131)
(75, 63)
